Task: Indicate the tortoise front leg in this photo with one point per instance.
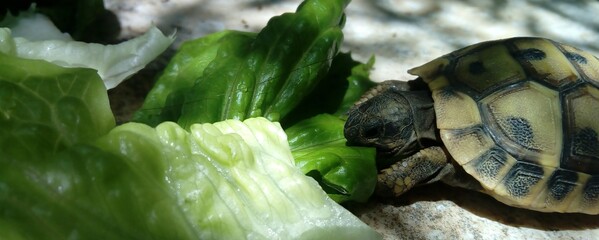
(407, 173)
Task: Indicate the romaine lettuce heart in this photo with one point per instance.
(237, 180)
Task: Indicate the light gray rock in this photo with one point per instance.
(438, 211)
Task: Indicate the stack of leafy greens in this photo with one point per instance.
(220, 149)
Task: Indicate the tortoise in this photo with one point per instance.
(515, 118)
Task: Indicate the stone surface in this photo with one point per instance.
(402, 34)
(441, 212)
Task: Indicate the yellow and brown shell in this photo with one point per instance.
(521, 116)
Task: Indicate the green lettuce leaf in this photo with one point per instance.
(264, 75)
(319, 149)
(228, 180)
(114, 63)
(64, 105)
(85, 192)
(45, 111)
(252, 188)
(166, 98)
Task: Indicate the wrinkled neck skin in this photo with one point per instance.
(425, 124)
(424, 128)
(397, 120)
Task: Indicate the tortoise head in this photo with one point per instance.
(395, 122)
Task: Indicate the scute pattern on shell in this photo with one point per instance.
(520, 115)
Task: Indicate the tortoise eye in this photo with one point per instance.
(372, 132)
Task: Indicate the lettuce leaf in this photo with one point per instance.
(263, 75)
(250, 186)
(319, 149)
(228, 180)
(167, 97)
(64, 105)
(114, 63)
(85, 192)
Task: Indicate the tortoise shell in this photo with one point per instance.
(521, 116)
